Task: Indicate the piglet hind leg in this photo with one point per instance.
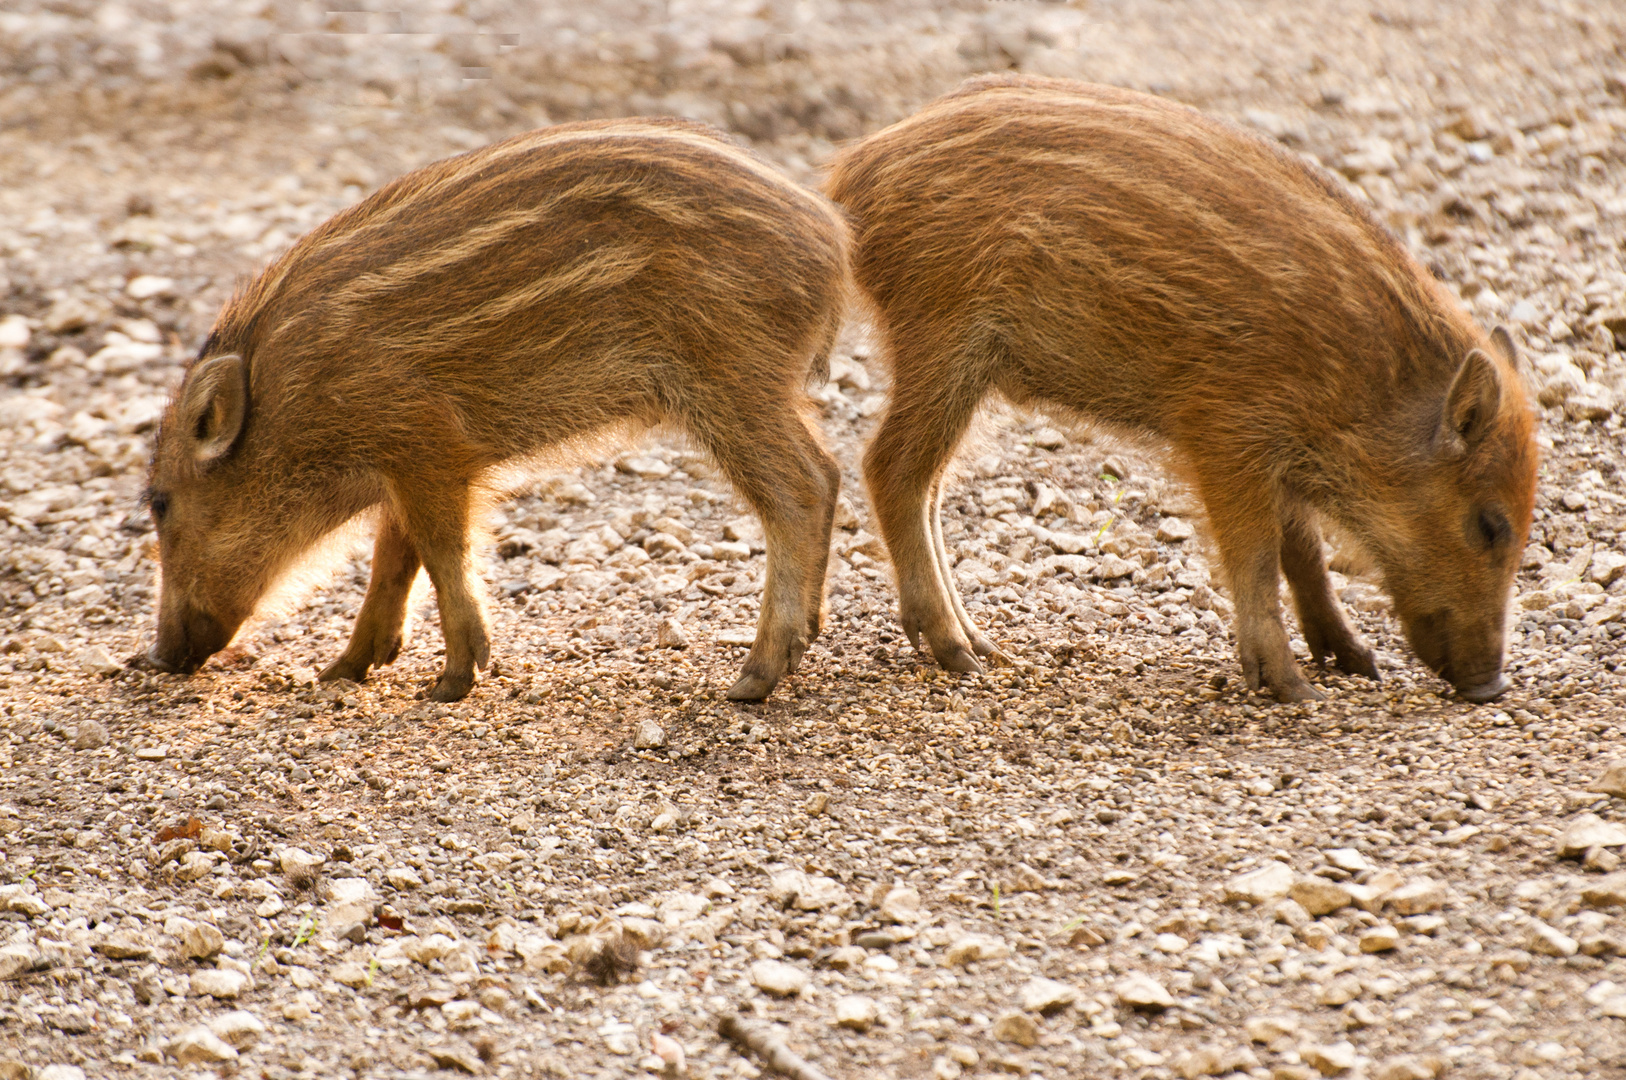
(437, 525)
(781, 469)
(377, 637)
(928, 415)
(1249, 538)
(980, 643)
(1326, 628)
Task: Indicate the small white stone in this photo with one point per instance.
(1046, 996)
(902, 905)
(297, 861)
(1144, 993)
(975, 947)
(778, 978)
(1271, 1027)
(1173, 530)
(239, 1028)
(147, 286)
(218, 983)
(14, 332)
(1417, 897)
(96, 660)
(1348, 860)
(1551, 942)
(1270, 882)
(1380, 938)
(202, 941)
(857, 1012)
(1332, 1059)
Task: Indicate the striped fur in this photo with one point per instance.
(1126, 261)
(475, 314)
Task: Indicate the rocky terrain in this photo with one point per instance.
(1108, 860)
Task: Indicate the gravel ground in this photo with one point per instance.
(1110, 860)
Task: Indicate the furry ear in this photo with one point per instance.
(1471, 403)
(1502, 342)
(214, 407)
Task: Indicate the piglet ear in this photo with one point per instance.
(214, 406)
(1502, 342)
(1472, 402)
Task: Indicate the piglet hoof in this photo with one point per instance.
(983, 647)
(343, 668)
(450, 687)
(1292, 692)
(751, 687)
(1359, 660)
(960, 658)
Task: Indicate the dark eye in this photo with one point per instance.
(159, 505)
(1494, 530)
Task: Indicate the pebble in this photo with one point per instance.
(1271, 1028)
(1340, 990)
(650, 736)
(403, 878)
(90, 735)
(857, 1012)
(458, 1056)
(1380, 938)
(1348, 860)
(1016, 1028)
(1319, 896)
(1589, 831)
(1143, 993)
(201, 940)
(1605, 892)
(1270, 882)
(1173, 530)
(17, 959)
(902, 905)
(807, 892)
(1047, 996)
(1331, 1059)
(60, 1072)
(299, 863)
(96, 660)
(1550, 941)
(1417, 897)
(240, 1028)
(1612, 781)
(218, 983)
(147, 286)
(1409, 1067)
(200, 1046)
(778, 978)
(975, 947)
(669, 634)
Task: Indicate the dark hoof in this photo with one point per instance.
(1364, 662)
(983, 647)
(1489, 690)
(1293, 693)
(452, 688)
(960, 659)
(751, 688)
(342, 669)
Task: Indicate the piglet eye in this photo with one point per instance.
(1494, 529)
(160, 506)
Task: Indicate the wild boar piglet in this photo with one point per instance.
(1126, 261)
(474, 316)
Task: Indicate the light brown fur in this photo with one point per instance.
(1125, 260)
(480, 312)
